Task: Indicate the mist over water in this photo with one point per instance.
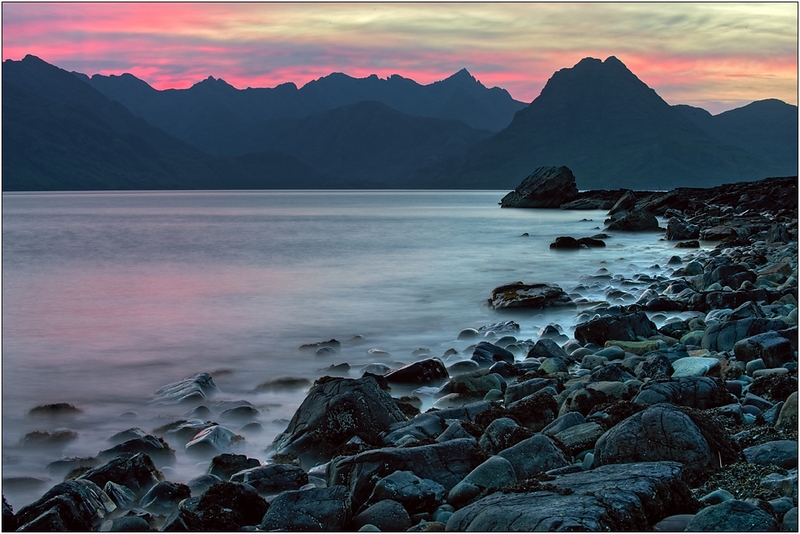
(109, 296)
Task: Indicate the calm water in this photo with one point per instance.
(108, 296)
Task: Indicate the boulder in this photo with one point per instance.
(164, 497)
(634, 221)
(227, 464)
(426, 425)
(191, 390)
(538, 296)
(156, 448)
(137, 472)
(476, 383)
(680, 230)
(547, 348)
(386, 515)
(580, 437)
(229, 506)
(493, 474)
(498, 435)
(445, 463)
(619, 498)
(732, 516)
(415, 494)
(213, 440)
(74, 505)
(659, 433)
(519, 390)
(422, 372)
(534, 456)
(546, 187)
(565, 242)
(782, 453)
(317, 509)
(624, 327)
(724, 335)
(787, 419)
(334, 411)
(487, 354)
(771, 347)
(693, 391)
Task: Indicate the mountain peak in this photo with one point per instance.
(463, 77)
(213, 83)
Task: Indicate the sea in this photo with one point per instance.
(108, 296)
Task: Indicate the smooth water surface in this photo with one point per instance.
(109, 296)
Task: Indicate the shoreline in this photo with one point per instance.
(487, 393)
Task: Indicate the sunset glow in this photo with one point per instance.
(714, 55)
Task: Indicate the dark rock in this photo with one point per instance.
(519, 390)
(678, 230)
(565, 242)
(624, 203)
(76, 505)
(192, 389)
(317, 509)
(238, 505)
(415, 494)
(467, 412)
(212, 441)
(617, 498)
(227, 464)
(422, 372)
(498, 435)
(386, 515)
(732, 516)
(446, 463)
(493, 474)
(61, 467)
(240, 413)
(137, 472)
(9, 519)
(693, 391)
(782, 453)
(688, 244)
(200, 484)
(625, 327)
(127, 523)
(534, 456)
(729, 275)
(312, 348)
(659, 433)
(771, 347)
(547, 348)
(538, 296)
(334, 411)
(123, 497)
(723, 336)
(273, 478)
(591, 242)
(59, 409)
(579, 438)
(635, 221)
(164, 497)
(656, 365)
(546, 187)
(156, 448)
(57, 438)
(535, 411)
(283, 383)
(774, 387)
(423, 426)
(487, 354)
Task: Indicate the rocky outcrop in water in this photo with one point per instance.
(546, 187)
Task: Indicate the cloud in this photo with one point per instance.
(688, 52)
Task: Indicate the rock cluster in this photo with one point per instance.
(626, 426)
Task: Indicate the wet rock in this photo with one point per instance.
(192, 389)
(317, 509)
(773, 349)
(693, 366)
(547, 348)
(420, 427)
(231, 506)
(655, 365)
(65, 464)
(445, 463)
(57, 410)
(639, 495)
(723, 336)
(386, 516)
(415, 494)
(680, 230)
(334, 411)
(282, 383)
(565, 242)
(430, 371)
(273, 478)
(312, 348)
(782, 453)
(517, 391)
(580, 437)
(76, 505)
(125, 435)
(164, 497)
(476, 383)
(661, 432)
(137, 472)
(537, 296)
(123, 497)
(213, 440)
(226, 464)
(493, 474)
(487, 354)
(546, 187)
(696, 392)
(787, 419)
(498, 435)
(200, 484)
(624, 327)
(732, 516)
(534, 412)
(156, 448)
(533, 456)
(634, 221)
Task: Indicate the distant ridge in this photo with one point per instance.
(614, 131)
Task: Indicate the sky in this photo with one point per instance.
(717, 56)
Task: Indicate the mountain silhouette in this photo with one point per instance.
(222, 120)
(61, 134)
(613, 131)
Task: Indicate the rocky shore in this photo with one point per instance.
(626, 426)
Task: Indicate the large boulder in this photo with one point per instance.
(733, 516)
(680, 230)
(520, 295)
(335, 411)
(317, 509)
(699, 392)
(546, 187)
(620, 498)
(774, 349)
(635, 221)
(534, 456)
(74, 505)
(724, 335)
(446, 463)
(422, 372)
(661, 432)
(137, 472)
(273, 478)
(624, 327)
(415, 494)
(191, 390)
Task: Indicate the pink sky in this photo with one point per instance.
(714, 55)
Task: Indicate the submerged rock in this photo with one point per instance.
(192, 389)
(520, 295)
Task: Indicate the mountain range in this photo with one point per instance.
(65, 131)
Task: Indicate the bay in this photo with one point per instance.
(109, 296)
